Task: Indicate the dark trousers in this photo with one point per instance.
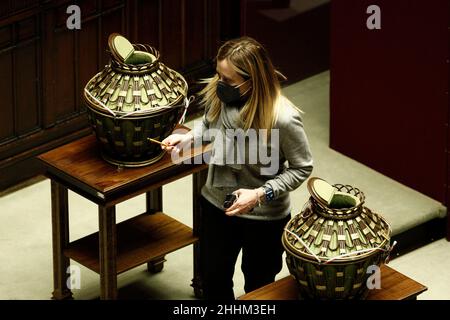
(222, 237)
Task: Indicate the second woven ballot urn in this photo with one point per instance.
(135, 97)
(336, 243)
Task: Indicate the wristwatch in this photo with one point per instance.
(269, 195)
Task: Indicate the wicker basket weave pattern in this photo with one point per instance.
(126, 90)
(329, 250)
(333, 281)
(124, 142)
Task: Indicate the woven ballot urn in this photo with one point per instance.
(333, 244)
(135, 97)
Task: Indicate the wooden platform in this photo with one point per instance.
(394, 286)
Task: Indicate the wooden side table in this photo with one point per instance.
(146, 238)
(394, 286)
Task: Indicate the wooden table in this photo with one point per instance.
(394, 286)
(146, 238)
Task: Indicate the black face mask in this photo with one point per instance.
(228, 94)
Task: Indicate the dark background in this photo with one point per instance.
(389, 90)
(389, 87)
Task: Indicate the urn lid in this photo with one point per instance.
(321, 190)
(120, 47)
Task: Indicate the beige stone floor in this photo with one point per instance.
(25, 229)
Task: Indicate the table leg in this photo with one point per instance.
(154, 204)
(108, 252)
(154, 200)
(199, 180)
(60, 239)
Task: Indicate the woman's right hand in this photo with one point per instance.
(176, 142)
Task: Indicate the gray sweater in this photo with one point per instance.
(293, 157)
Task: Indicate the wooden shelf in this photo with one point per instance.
(139, 240)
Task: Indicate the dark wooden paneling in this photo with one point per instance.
(8, 7)
(64, 93)
(88, 8)
(6, 77)
(5, 36)
(213, 25)
(112, 20)
(447, 127)
(297, 40)
(24, 166)
(234, 25)
(87, 54)
(26, 29)
(7, 122)
(172, 29)
(34, 143)
(147, 15)
(26, 84)
(4, 8)
(19, 79)
(44, 66)
(388, 90)
(108, 4)
(195, 32)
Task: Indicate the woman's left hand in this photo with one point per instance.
(246, 201)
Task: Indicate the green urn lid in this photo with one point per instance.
(120, 47)
(321, 190)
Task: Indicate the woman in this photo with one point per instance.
(245, 96)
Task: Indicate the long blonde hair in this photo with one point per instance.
(251, 61)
